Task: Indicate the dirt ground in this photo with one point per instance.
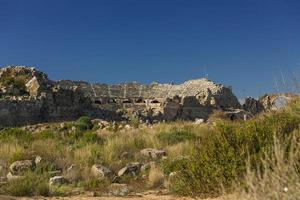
(136, 197)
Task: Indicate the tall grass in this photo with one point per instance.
(278, 177)
(204, 160)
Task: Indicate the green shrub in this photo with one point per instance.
(83, 124)
(219, 159)
(175, 165)
(175, 136)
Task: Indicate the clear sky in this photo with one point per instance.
(241, 43)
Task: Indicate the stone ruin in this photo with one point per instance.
(156, 102)
(27, 97)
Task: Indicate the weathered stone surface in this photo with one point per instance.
(199, 121)
(100, 171)
(153, 153)
(130, 169)
(57, 180)
(238, 114)
(37, 160)
(253, 106)
(276, 101)
(19, 167)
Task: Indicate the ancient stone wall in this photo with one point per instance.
(190, 100)
(27, 96)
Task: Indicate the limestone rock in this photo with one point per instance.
(153, 153)
(130, 169)
(100, 171)
(238, 114)
(199, 121)
(57, 180)
(19, 167)
(253, 106)
(277, 101)
(37, 160)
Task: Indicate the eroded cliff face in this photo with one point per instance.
(28, 96)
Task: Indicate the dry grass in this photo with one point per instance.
(207, 157)
(10, 152)
(156, 177)
(279, 175)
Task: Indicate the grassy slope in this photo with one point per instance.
(208, 159)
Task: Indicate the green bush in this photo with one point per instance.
(219, 159)
(83, 124)
(175, 136)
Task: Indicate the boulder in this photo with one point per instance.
(101, 123)
(130, 169)
(117, 189)
(19, 167)
(280, 102)
(199, 121)
(100, 171)
(237, 114)
(57, 180)
(37, 160)
(153, 153)
(253, 106)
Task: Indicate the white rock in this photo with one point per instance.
(199, 121)
(100, 171)
(57, 180)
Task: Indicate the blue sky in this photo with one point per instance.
(241, 43)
